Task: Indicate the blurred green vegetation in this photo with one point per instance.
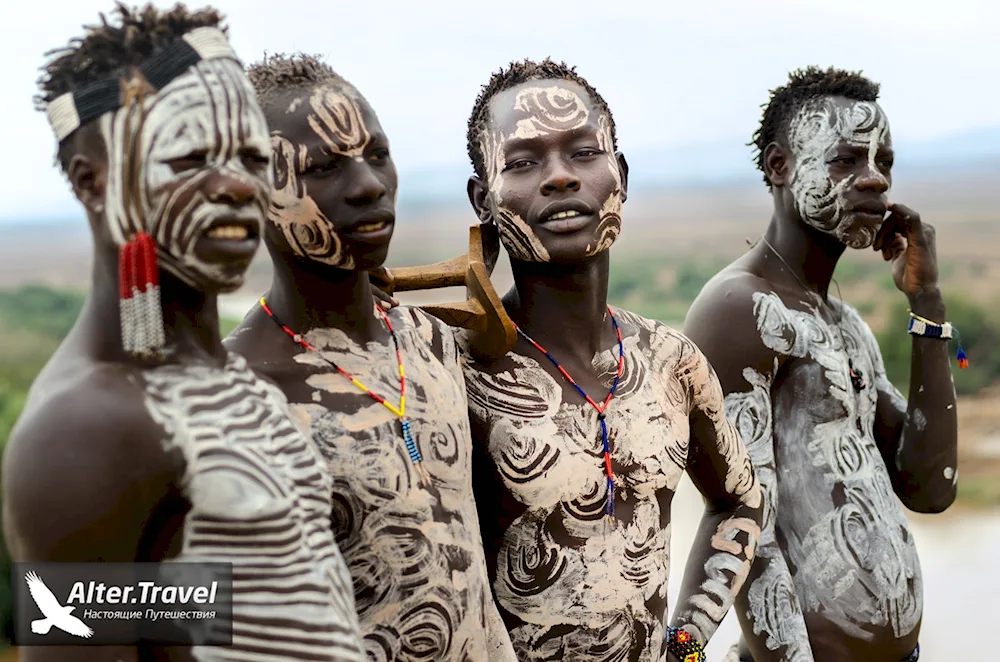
(33, 321)
(663, 290)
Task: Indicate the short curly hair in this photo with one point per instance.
(515, 74)
(111, 47)
(277, 74)
(803, 86)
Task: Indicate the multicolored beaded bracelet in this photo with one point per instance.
(684, 646)
(921, 326)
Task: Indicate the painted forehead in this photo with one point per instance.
(330, 115)
(187, 113)
(831, 120)
(541, 106)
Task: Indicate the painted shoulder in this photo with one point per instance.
(851, 315)
(663, 340)
(440, 337)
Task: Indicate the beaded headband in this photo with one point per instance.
(69, 111)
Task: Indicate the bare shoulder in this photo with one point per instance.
(267, 349)
(724, 322)
(83, 449)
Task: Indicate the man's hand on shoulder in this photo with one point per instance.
(82, 473)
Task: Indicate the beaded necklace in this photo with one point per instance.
(400, 411)
(609, 503)
(857, 377)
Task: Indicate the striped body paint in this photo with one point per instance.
(210, 110)
(260, 499)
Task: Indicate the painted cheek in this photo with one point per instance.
(337, 120)
(609, 227)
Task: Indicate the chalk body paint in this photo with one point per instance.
(813, 136)
(260, 500)
(847, 554)
(547, 109)
(414, 553)
(212, 109)
(573, 587)
(335, 117)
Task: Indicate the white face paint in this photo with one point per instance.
(210, 110)
(814, 136)
(548, 109)
(335, 116)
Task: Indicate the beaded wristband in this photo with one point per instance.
(683, 646)
(921, 326)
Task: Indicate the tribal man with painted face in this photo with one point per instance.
(575, 491)
(834, 443)
(382, 393)
(143, 439)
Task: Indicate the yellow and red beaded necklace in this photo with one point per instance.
(400, 411)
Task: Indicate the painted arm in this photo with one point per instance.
(79, 497)
(498, 643)
(918, 437)
(727, 538)
(767, 607)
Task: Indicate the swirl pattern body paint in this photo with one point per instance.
(335, 116)
(259, 499)
(211, 110)
(414, 552)
(569, 584)
(548, 109)
(848, 554)
(813, 137)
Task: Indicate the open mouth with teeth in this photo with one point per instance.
(559, 215)
(566, 221)
(229, 240)
(236, 232)
(370, 227)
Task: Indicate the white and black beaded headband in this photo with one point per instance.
(69, 111)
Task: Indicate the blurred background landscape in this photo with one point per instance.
(685, 83)
(674, 239)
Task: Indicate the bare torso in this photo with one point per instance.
(570, 584)
(246, 488)
(847, 543)
(255, 485)
(414, 551)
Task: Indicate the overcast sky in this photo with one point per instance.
(673, 72)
